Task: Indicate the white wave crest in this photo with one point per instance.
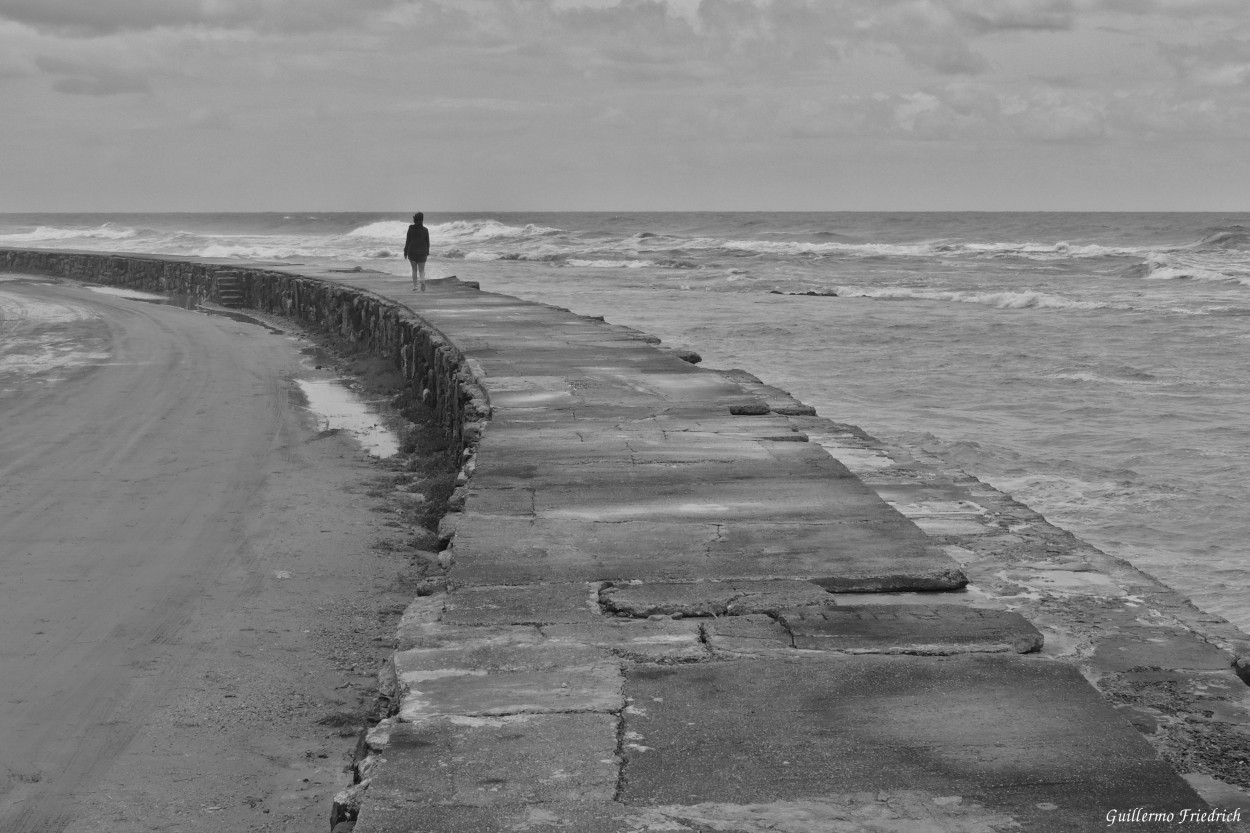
(608, 264)
(1022, 299)
(381, 230)
(108, 231)
(467, 230)
(456, 231)
(252, 252)
(1099, 379)
(803, 248)
(936, 248)
(1174, 266)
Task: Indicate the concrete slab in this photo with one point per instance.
(881, 811)
(608, 470)
(535, 758)
(855, 557)
(531, 648)
(754, 634)
(910, 629)
(1163, 648)
(476, 763)
(954, 527)
(779, 401)
(540, 604)
(426, 693)
(1026, 739)
(711, 598)
(582, 442)
(658, 640)
(885, 556)
(496, 650)
(437, 635)
(503, 550)
(649, 492)
(388, 810)
(697, 424)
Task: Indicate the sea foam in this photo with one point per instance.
(1210, 267)
(1022, 299)
(929, 249)
(456, 230)
(108, 231)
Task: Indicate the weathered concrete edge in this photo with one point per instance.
(1177, 673)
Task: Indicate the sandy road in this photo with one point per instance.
(167, 516)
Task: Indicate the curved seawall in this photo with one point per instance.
(676, 599)
(427, 358)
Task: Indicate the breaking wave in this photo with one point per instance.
(939, 249)
(454, 231)
(607, 264)
(1179, 265)
(251, 252)
(382, 230)
(51, 234)
(1225, 237)
(1021, 299)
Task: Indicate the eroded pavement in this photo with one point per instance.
(678, 600)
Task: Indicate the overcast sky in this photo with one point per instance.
(165, 105)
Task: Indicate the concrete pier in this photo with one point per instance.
(661, 614)
(672, 605)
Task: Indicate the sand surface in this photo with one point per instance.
(192, 602)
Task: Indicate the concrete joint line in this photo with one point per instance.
(621, 758)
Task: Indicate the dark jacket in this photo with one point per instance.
(417, 246)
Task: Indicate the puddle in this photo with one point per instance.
(317, 358)
(337, 407)
(239, 316)
(133, 294)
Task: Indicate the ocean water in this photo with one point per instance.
(1094, 366)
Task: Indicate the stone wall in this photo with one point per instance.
(435, 369)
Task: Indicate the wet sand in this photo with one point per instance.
(192, 602)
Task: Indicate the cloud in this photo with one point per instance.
(1180, 8)
(209, 118)
(945, 55)
(715, 38)
(81, 78)
(959, 111)
(101, 85)
(1224, 62)
(109, 17)
(1007, 15)
(1049, 115)
(15, 66)
(927, 34)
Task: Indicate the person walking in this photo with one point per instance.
(417, 249)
